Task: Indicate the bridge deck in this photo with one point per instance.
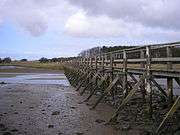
(148, 62)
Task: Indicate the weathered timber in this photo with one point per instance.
(122, 73)
(107, 91)
(127, 98)
(170, 112)
(103, 79)
(89, 84)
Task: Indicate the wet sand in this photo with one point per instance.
(49, 110)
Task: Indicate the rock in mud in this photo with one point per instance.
(56, 113)
(15, 112)
(50, 126)
(3, 127)
(100, 121)
(7, 133)
(73, 107)
(14, 130)
(79, 133)
(3, 83)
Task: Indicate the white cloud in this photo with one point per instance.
(154, 13)
(83, 25)
(35, 16)
(156, 19)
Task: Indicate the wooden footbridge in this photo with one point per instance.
(132, 78)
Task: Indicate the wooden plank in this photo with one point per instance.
(133, 78)
(107, 91)
(89, 84)
(125, 73)
(103, 79)
(81, 77)
(169, 79)
(178, 81)
(142, 87)
(83, 81)
(127, 98)
(159, 87)
(147, 79)
(169, 59)
(175, 106)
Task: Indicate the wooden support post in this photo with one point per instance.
(178, 81)
(103, 65)
(83, 81)
(111, 65)
(143, 91)
(175, 106)
(96, 63)
(169, 79)
(89, 84)
(107, 91)
(159, 87)
(133, 78)
(80, 78)
(91, 63)
(148, 81)
(112, 72)
(125, 73)
(103, 79)
(127, 98)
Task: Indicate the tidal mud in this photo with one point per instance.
(40, 109)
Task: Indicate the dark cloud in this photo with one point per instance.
(155, 13)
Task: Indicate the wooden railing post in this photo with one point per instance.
(169, 79)
(91, 63)
(125, 73)
(143, 82)
(102, 64)
(148, 76)
(96, 63)
(111, 66)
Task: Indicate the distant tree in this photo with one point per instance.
(23, 60)
(43, 60)
(7, 60)
(0, 60)
(54, 60)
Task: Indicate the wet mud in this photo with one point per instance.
(46, 109)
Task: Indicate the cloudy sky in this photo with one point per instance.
(54, 28)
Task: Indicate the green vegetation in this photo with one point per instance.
(36, 64)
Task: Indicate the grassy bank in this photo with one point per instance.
(50, 65)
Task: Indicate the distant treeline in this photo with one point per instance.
(41, 60)
(45, 60)
(106, 49)
(155, 53)
(99, 50)
(5, 60)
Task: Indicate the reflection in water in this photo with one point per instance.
(10, 67)
(34, 78)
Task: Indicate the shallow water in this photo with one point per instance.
(9, 67)
(33, 78)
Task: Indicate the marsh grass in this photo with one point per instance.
(49, 65)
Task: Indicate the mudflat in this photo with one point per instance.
(50, 109)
